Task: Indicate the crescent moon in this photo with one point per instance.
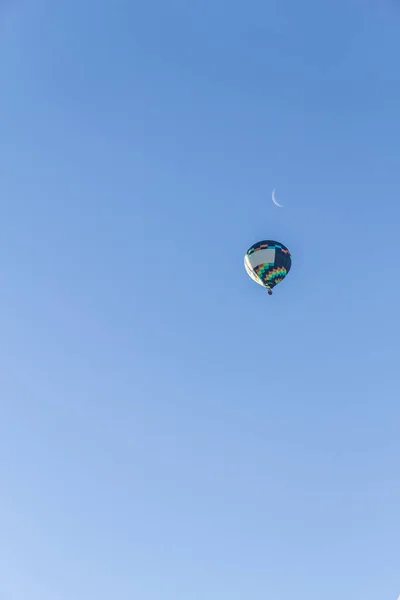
(275, 201)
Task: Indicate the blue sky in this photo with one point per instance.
(167, 430)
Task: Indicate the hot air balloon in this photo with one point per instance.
(267, 263)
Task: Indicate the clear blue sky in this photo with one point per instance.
(167, 430)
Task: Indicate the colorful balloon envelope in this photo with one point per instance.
(267, 263)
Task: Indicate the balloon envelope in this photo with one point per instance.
(267, 263)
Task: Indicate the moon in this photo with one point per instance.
(275, 201)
